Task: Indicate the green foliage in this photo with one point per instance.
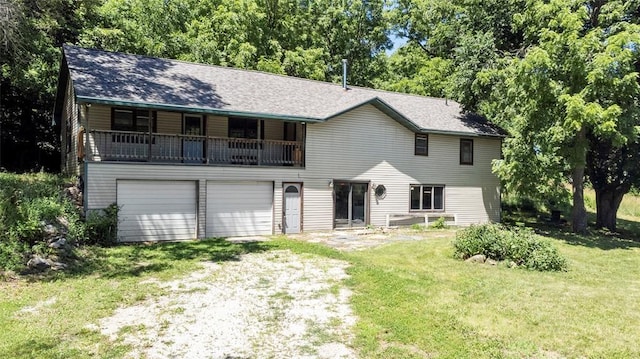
(440, 223)
(304, 39)
(576, 79)
(13, 254)
(518, 245)
(411, 70)
(28, 202)
(101, 226)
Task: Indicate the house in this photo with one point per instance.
(192, 151)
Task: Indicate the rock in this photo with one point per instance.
(63, 222)
(491, 262)
(58, 266)
(478, 258)
(50, 230)
(38, 263)
(60, 243)
(513, 264)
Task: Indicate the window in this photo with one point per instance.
(245, 128)
(131, 120)
(422, 145)
(427, 198)
(466, 152)
(68, 134)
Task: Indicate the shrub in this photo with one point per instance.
(440, 223)
(27, 203)
(519, 245)
(13, 254)
(101, 226)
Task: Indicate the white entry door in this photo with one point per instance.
(291, 208)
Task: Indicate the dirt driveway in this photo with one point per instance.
(273, 304)
(360, 239)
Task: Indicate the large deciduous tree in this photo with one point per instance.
(577, 80)
(32, 32)
(303, 38)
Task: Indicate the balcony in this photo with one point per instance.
(171, 148)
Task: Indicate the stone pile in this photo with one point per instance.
(59, 249)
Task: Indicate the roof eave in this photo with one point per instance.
(461, 133)
(191, 109)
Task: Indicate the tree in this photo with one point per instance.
(576, 79)
(411, 70)
(306, 38)
(469, 35)
(33, 32)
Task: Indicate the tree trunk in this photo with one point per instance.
(579, 212)
(607, 202)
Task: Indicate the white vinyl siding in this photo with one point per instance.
(239, 209)
(363, 145)
(156, 210)
(101, 186)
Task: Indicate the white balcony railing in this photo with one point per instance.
(141, 147)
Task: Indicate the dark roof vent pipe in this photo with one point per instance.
(344, 74)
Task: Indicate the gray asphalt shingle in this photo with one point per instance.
(118, 77)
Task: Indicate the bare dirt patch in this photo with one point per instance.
(362, 239)
(266, 305)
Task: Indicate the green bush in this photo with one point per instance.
(518, 245)
(13, 254)
(440, 223)
(101, 226)
(27, 203)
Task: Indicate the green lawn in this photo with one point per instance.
(414, 300)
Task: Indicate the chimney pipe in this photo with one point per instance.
(344, 74)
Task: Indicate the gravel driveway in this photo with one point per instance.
(273, 304)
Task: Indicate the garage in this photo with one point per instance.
(156, 210)
(239, 208)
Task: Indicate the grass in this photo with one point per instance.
(93, 289)
(413, 299)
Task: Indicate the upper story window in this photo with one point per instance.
(426, 197)
(134, 120)
(246, 128)
(466, 151)
(421, 145)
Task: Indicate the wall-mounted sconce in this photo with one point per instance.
(330, 184)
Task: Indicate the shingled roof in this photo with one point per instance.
(123, 79)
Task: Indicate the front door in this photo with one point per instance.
(193, 142)
(350, 204)
(291, 208)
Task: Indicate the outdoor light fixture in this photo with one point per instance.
(330, 183)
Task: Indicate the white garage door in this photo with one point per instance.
(156, 210)
(239, 209)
